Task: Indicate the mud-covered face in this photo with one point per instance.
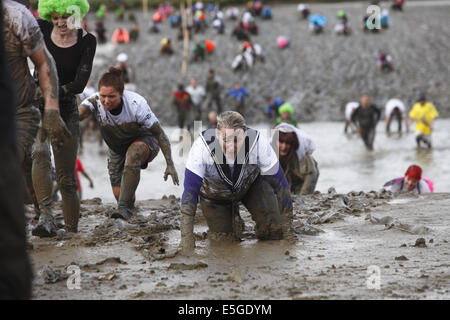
(60, 22)
(110, 97)
(410, 183)
(231, 140)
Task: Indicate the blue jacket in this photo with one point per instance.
(278, 102)
(238, 94)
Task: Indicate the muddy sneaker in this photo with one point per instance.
(46, 228)
(121, 213)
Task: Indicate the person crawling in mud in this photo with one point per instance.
(295, 150)
(411, 182)
(228, 165)
(133, 135)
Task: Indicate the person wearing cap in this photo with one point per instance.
(286, 112)
(395, 109)
(295, 149)
(73, 50)
(166, 46)
(228, 165)
(423, 113)
(411, 182)
(366, 117)
(342, 27)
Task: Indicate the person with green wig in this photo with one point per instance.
(342, 26)
(101, 12)
(286, 112)
(73, 51)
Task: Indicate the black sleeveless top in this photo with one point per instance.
(74, 64)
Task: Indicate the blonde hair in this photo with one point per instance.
(231, 120)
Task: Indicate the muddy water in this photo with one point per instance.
(344, 163)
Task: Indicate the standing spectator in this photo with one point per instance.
(238, 93)
(197, 94)
(213, 88)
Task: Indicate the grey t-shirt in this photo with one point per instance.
(134, 121)
(22, 39)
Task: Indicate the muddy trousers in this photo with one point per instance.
(214, 100)
(15, 269)
(65, 161)
(262, 204)
(368, 136)
(184, 116)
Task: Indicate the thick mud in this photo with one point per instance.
(318, 74)
(341, 238)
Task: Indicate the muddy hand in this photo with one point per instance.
(172, 172)
(55, 128)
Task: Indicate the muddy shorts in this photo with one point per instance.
(116, 161)
(28, 121)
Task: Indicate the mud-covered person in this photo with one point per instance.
(24, 39)
(133, 135)
(15, 268)
(73, 50)
(228, 165)
(366, 117)
(295, 150)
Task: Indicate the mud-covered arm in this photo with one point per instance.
(281, 188)
(189, 200)
(48, 77)
(84, 69)
(164, 144)
(308, 172)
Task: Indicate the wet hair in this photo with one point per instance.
(180, 87)
(291, 139)
(47, 7)
(112, 78)
(231, 120)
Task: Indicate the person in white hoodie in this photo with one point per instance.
(294, 148)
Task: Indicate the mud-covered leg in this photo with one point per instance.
(219, 219)
(136, 155)
(262, 204)
(65, 161)
(43, 185)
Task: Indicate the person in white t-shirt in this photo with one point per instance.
(349, 109)
(227, 165)
(133, 135)
(197, 94)
(395, 108)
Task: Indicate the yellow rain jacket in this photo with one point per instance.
(423, 115)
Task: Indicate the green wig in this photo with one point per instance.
(47, 7)
(286, 107)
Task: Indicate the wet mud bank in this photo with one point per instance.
(318, 74)
(342, 238)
